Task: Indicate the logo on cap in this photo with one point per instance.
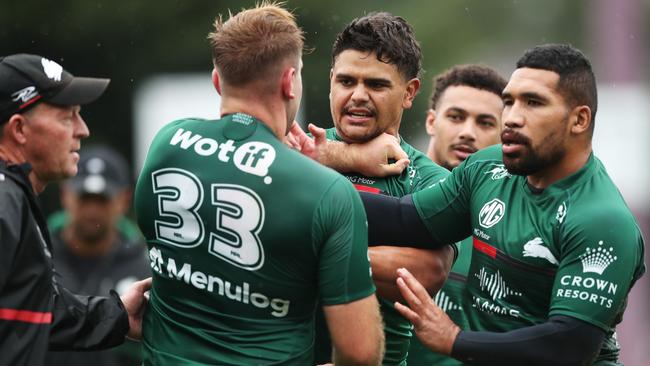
(25, 94)
(52, 69)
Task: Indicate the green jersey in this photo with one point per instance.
(573, 249)
(245, 237)
(451, 299)
(421, 173)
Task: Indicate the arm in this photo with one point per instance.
(356, 332)
(346, 288)
(395, 221)
(429, 266)
(94, 322)
(372, 158)
(576, 341)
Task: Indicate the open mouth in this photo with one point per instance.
(513, 142)
(359, 115)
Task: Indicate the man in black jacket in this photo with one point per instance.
(40, 137)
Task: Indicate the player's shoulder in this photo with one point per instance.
(487, 156)
(597, 199)
(485, 165)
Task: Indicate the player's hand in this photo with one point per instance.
(432, 325)
(135, 301)
(380, 157)
(299, 140)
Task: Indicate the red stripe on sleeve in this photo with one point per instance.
(484, 247)
(26, 316)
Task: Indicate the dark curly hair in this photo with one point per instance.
(390, 37)
(475, 76)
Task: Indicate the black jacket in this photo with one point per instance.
(35, 312)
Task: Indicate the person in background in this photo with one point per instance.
(464, 116)
(97, 247)
(40, 137)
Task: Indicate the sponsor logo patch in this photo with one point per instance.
(561, 212)
(499, 172)
(596, 260)
(253, 157)
(535, 248)
(491, 213)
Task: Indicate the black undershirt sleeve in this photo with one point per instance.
(395, 221)
(562, 340)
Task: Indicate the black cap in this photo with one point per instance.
(27, 79)
(101, 171)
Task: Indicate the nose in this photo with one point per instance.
(513, 115)
(81, 129)
(359, 94)
(468, 130)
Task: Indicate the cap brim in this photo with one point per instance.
(80, 91)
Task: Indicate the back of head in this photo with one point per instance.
(250, 43)
(390, 37)
(577, 81)
(474, 76)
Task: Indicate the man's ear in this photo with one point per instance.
(430, 121)
(14, 129)
(580, 119)
(288, 78)
(412, 87)
(216, 81)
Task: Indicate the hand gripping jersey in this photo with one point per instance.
(421, 173)
(245, 236)
(451, 299)
(573, 249)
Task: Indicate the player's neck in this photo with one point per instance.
(268, 113)
(570, 164)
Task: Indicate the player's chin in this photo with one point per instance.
(358, 134)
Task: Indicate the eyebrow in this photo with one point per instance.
(463, 111)
(526, 95)
(456, 109)
(369, 80)
(486, 115)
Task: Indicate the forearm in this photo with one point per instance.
(396, 222)
(87, 322)
(560, 341)
(337, 155)
(430, 267)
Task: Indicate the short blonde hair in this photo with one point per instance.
(250, 43)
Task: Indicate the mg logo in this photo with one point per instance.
(491, 213)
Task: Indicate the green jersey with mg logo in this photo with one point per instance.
(572, 249)
(245, 237)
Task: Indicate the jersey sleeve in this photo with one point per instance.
(601, 257)
(444, 207)
(340, 225)
(428, 174)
